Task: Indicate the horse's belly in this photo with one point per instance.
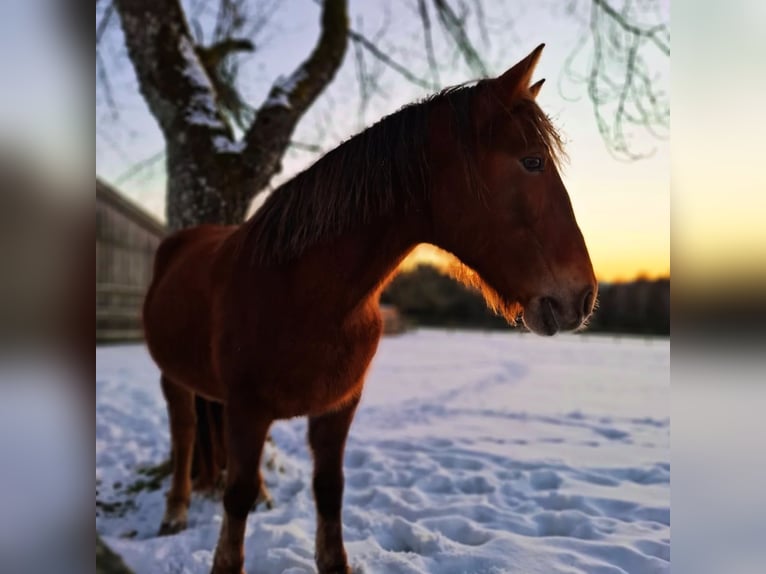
(330, 386)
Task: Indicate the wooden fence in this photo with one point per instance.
(126, 240)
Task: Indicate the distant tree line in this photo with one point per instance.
(427, 297)
(641, 307)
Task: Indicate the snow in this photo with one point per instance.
(278, 99)
(224, 144)
(288, 84)
(283, 88)
(193, 70)
(470, 453)
(202, 110)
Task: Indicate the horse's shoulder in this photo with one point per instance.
(366, 323)
(189, 239)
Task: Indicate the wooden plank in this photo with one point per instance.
(120, 289)
(105, 314)
(104, 335)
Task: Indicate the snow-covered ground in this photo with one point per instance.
(470, 453)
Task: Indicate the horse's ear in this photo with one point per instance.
(534, 89)
(516, 80)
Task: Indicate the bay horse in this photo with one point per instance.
(279, 317)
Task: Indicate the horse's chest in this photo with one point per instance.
(317, 372)
(340, 372)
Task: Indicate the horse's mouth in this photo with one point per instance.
(539, 316)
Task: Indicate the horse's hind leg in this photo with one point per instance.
(246, 431)
(327, 438)
(182, 428)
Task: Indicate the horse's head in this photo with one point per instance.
(498, 204)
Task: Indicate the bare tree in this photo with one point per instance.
(212, 177)
(220, 152)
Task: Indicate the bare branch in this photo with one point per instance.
(106, 137)
(367, 76)
(428, 40)
(140, 167)
(652, 34)
(231, 17)
(593, 78)
(221, 67)
(455, 28)
(171, 77)
(212, 56)
(289, 98)
(103, 80)
(482, 21)
(102, 26)
(363, 82)
(303, 146)
(386, 59)
(627, 90)
(568, 71)
(623, 95)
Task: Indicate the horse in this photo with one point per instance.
(279, 317)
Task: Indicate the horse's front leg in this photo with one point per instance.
(327, 437)
(246, 430)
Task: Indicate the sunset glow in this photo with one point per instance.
(615, 268)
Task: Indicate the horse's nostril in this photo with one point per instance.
(550, 310)
(587, 302)
(552, 304)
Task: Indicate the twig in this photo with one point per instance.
(355, 36)
(455, 28)
(101, 28)
(428, 40)
(103, 78)
(138, 167)
(650, 33)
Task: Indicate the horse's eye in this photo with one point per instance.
(532, 163)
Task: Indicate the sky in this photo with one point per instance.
(718, 180)
(623, 208)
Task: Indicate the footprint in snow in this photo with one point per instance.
(544, 480)
(571, 523)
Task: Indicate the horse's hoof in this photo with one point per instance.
(338, 569)
(227, 569)
(171, 527)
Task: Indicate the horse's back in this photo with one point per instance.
(176, 314)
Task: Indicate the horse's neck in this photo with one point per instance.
(358, 264)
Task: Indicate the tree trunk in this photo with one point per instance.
(205, 186)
